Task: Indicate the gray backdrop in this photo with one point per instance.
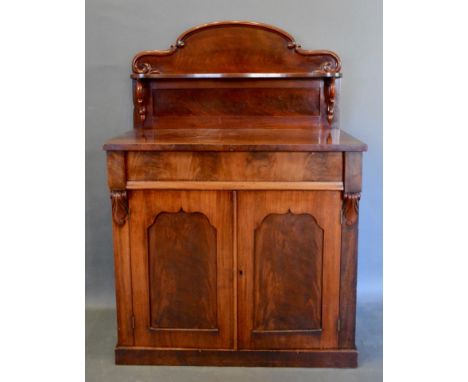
(117, 29)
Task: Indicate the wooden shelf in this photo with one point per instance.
(199, 76)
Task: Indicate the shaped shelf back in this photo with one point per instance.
(238, 73)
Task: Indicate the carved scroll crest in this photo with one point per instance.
(332, 64)
(119, 206)
(143, 68)
(351, 208)
(145, 62)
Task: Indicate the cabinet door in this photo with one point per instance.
(288, 269)
(182, 268)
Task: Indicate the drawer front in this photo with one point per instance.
(235, 166)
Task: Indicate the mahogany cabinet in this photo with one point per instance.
(235, 205)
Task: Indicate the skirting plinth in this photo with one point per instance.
(268, 358)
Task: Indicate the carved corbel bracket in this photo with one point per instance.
(330, 92)
(351, 208)
(119, 206)
(139, 101)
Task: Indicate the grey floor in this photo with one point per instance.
(101, 338)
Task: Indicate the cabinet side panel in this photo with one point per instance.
(352, 179)
(116, 167)
(352, 171)
(348, 283)
(116, 178)
(123, 284)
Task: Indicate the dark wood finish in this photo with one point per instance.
(192, 250)
(174, 104)
(116, 177)
(253, 208)
(240, 76)
(182, 271)
(234, 185)
(293, 358)
(119, 206)
(330, 98)
(235, 205)
(240, 56)
(352, 176)
(140, 100)
(232, 103)
(238, 166)
(122, 262)
(272, 137)
(252, 47)
(288, 251)
(348, 282)
(349, 246)
(243, 101)
(123, 284)
(351, 208)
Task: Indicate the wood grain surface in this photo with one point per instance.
(178, 257)
(235, 205)
(288, 254)
(235, 47)
(238, 134)
(294, 358)
(182, 271)
(253, 208)
(238, 166)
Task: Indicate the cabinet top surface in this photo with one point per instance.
(236, 139)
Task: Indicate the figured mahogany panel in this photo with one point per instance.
(236, 102)
(288, 273)
(182, 268)
(253, 166)
(182, 256)
(116, 178)
(288, 269)
(235, 47)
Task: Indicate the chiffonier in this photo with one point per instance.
(235, 205)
